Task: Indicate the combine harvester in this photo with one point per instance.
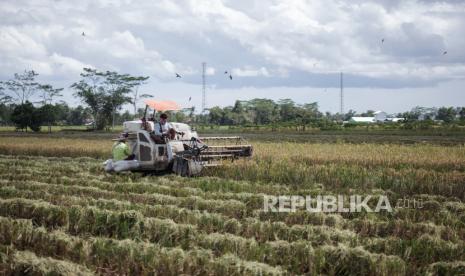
(186, 154)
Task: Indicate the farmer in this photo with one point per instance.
(120, 149)
(163, 129)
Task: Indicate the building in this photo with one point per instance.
(362, 120)
(395, 120)
(379, 117)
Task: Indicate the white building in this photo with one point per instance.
(380, 116)
(362, 120)
(395, 120)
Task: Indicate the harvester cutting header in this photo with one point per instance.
(151, 145)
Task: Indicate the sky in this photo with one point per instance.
(394, 54)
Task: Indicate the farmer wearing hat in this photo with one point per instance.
(120, 149)
(163, 129)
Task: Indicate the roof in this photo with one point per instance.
(162, 105)
(363, 119)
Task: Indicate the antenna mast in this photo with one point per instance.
(204, 104)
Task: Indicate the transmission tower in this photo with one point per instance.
(204, 100)
(342, 94)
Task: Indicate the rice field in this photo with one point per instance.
(60, 214)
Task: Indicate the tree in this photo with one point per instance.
(117, 88)
(4, 98)
(126, 116)
(351, 113)
(136, 82)
(215, 115)
(78, 115)
(287, 110)
(62, 111)
(228, 116)
(179, 117)
(26, 115)
(419, 113)
(462, 113)
(49, 93)
(104, 92)
(239, 115)
(447, 114)
(265, 111)
(21, 87)
(238, 107)
(49, 115)
(5, 113)
(369, 113)
(307, 113)
(48, 110)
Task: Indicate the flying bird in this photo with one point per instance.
(230, 76)
(382, 41)
(190, 98)
(83, 34)
(225, 72)
(177, 75)
(445, 53)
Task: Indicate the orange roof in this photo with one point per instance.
(162, 105)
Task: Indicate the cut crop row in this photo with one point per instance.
(131, 256)
(432, 211)
(16, 262)
(334, 176)
(106, 255)
(206, 222)
(245, 226)
(232, 208)
(296, 256)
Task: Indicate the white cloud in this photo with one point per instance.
(250, 72)
(210, 71)
(66, 65)
(15, 43)
(268, 41)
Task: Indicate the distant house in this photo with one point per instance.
(379, 117)
(362, 120)
(395, 120)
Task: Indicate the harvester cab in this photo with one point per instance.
(184, 152)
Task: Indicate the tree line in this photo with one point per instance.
(104, 93)
(287, 113)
